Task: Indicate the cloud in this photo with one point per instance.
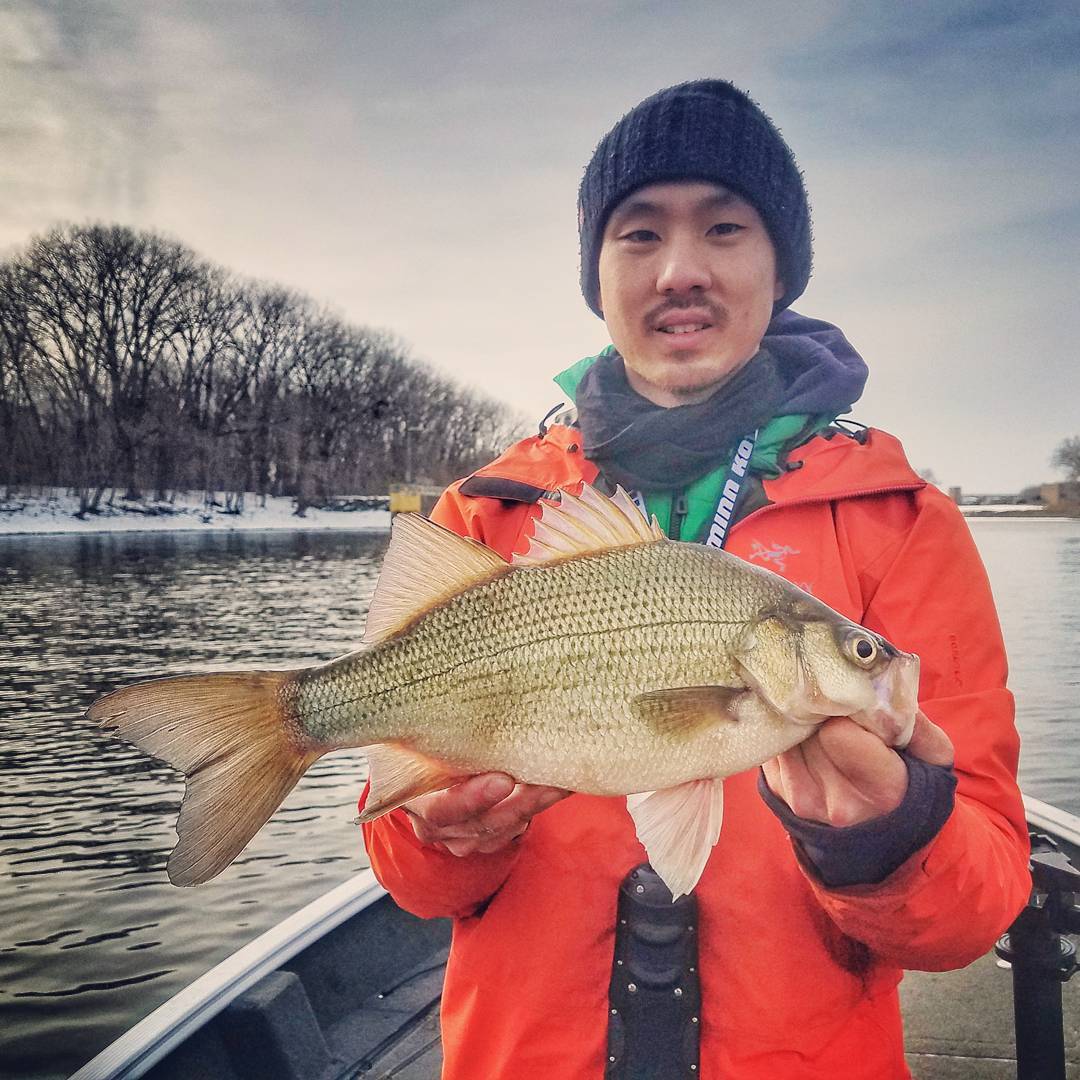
(949, 73)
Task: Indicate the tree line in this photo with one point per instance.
(129, 363)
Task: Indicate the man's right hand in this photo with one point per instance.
(481, 814)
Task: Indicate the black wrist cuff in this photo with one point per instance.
(867, 853)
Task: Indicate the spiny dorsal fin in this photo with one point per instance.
(587, 522)
(425, 565)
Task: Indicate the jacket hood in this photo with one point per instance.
(821, 369)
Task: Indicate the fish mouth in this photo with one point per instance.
(896, 692)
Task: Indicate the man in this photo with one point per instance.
(846, 861)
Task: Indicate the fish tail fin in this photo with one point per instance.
(238, 745)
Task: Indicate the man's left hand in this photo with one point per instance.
(845, 775)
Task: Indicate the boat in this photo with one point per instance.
(349, 987)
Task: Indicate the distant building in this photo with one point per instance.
(1063, 496)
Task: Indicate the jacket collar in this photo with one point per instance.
(822, 469)
(844, 467)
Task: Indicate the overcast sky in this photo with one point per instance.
(414, 166)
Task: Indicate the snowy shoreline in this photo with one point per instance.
(1005, 510)
(53, 514)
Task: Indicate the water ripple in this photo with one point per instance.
(86, 988)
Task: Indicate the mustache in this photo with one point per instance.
(718, 315)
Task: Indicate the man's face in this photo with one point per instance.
(687, 285)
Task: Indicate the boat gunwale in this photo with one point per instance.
(1042, 816)
(152, 1038)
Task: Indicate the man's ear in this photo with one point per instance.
(778, 289)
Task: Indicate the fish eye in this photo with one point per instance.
(862, 648)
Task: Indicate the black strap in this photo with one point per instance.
(497, 487)
(654, 1001)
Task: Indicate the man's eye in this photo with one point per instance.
(725, 228)
(640, 236)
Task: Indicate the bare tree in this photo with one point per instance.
(269, 341)
(62, 297)
(202, 384)
(1067, 457)
(143, 279)
(126, 360)
(23, 432)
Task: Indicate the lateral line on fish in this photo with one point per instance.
(314, 711)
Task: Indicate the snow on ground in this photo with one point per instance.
(53, 511)
(975, 509)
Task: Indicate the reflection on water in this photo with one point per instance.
(1034, 568)
(93, 934)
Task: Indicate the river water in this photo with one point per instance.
(93, 936)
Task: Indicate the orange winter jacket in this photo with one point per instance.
(797, 980)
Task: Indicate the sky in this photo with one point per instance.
(414, 167)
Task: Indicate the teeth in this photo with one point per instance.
(689, 328)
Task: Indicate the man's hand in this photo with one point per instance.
(481, 814)
(845, 775)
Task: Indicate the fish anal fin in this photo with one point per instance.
(586, 523)
(688, 709)
(234, 739)
(424, 566)
(678, 828)
(397, 774)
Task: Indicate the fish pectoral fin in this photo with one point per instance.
(687, 709)
(397, 774)
(424, 565)
(678, 828)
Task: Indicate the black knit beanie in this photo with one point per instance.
(705, 130)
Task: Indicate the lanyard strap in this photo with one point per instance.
(729, 492)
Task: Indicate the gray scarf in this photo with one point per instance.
(646, 447)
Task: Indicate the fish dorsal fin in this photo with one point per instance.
(424, 565)
(578, 524)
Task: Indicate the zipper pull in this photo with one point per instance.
(679, 509)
